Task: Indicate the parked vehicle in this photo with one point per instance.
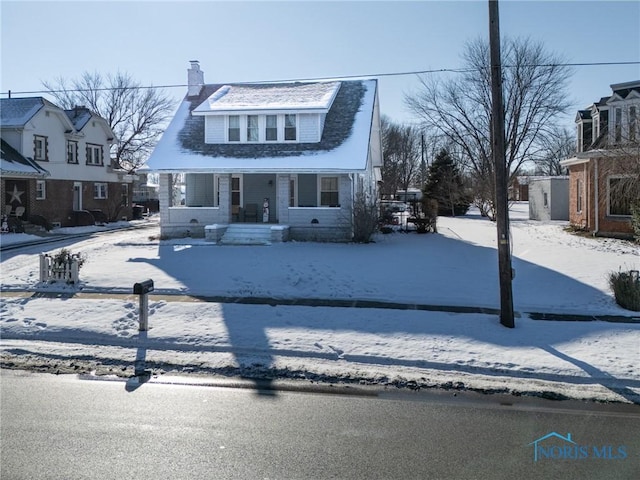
(393, 212)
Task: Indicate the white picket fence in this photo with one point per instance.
(52, 271)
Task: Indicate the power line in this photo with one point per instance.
(308, 79)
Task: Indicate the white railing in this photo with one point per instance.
(53, 271)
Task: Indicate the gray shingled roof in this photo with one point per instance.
(337, 128)
(13, 163)
(16, 112)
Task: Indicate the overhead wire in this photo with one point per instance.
(307, 79)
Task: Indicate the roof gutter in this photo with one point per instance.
(597, 199)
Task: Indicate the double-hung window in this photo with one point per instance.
(234, 128)
(290, 133)
(329, 192)
(41, 190)
(72, 151)
(253, 131)
(94, 154)
(618, 125)
(125, 195)
(40, 148)
(271, 128)
(100, 191)
(579, 195)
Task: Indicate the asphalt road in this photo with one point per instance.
(63, 427)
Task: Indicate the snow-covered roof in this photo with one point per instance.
(16, 112)
(272, 97)
(13, 164)
(344, 145)
(79, 116)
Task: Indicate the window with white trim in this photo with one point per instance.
(72, 151)
(233, 131)
(290, 130)
(271, 128)
(253, 130)
(329, 192)
(94, 154)
(618, 125)
(618, 201)
(579, 195)
(41, 190)
(100, 191)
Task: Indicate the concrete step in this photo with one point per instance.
(247, 234)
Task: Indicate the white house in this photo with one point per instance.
(290, 155)
(72, 147)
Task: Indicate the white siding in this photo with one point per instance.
(52, 127)
(214, 129)
(309, 128)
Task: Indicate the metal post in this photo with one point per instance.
(144, 313)
(501, 175)
(143, 289)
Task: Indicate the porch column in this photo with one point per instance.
(283, 198)
(225, 197)
(165, 197)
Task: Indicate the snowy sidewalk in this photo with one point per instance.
(414, 348)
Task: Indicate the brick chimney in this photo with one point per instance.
(195, 78)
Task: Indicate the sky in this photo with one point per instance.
(556, 272)
(245, 41)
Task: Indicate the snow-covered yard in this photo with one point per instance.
(556, 272)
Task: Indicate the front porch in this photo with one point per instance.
(214, 202)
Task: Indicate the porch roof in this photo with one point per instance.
(14, 164)
(344, 146)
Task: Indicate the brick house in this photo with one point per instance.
(608, 135)
(73, 147)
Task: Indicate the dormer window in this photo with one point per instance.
(290, 131)
(253, 130)
(271, 128)
(618, 125)
(234, 128)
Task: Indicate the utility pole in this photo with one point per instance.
(502, 210)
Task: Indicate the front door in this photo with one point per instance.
(77, 196)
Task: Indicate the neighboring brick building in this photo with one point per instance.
(608, 141)
(73, 147)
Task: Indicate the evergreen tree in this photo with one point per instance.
(445, 184)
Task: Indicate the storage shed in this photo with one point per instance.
(549, 198)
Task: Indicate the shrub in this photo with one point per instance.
(65, 256)
(365, 219)
(626, 289)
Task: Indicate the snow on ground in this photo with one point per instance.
(556, 272)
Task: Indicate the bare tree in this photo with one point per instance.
(535, 83)
(401, 156)
(554, 147)
(136, 114)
